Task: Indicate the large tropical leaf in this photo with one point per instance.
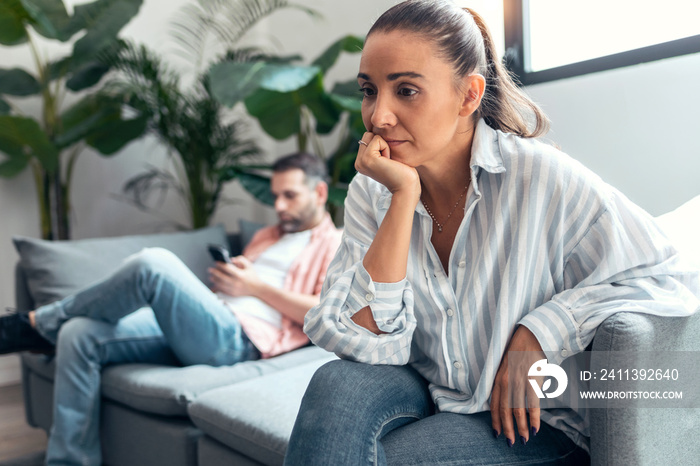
(4, 107)
(233, 82)
(103, 20)
(258, 186)
(321, 105)
(13, 166)
(277, 112)
(87, 76)
(98, 120)
(25, 132)
(49, 18)
(115, 133)
(12, 16)
(350, 44)
(18, 82)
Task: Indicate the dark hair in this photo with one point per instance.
(313, 167)
(463, 39)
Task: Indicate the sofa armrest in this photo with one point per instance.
(622, 436)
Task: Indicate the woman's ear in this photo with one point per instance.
(474, 86)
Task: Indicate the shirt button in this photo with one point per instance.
(390, 321)
(450, 312)
(369, 296)
(564, 353)
(463, 264)
(458, 365)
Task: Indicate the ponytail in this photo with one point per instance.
(504, 106)
(462, 38)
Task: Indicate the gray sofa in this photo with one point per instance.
(244, 414)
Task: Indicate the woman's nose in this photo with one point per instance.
(383, 114)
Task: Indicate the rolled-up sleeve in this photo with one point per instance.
(349, 288)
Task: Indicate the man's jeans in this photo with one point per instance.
(111, 323)
(358, 414)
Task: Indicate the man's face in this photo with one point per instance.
(297, 205)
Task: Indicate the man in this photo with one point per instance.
(154, 309)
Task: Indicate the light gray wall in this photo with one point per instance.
(633, 126)
(637, 127)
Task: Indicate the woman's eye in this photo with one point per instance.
(407, 92)
(367, 91)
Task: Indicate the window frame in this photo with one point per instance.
(514, 27)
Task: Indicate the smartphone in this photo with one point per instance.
(219, 253)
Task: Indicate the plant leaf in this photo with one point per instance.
(258, 186)
(4, 107)
(350, 44)
(18, 82)
(277, 112)
(49, 18)
(337, 195)
(87, 76)
(114, 134)
(321, 105)
(103, 20)
(232, 82)
(27, 133)
(287, 78)
(13, 166)
(12, 16)
(82, 118)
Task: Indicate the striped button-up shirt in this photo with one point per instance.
(544, 243)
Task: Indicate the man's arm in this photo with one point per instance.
(240, 279)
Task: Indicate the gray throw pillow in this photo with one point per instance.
(56, 269)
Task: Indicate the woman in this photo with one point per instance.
(465, 239)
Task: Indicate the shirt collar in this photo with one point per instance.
(486, 152)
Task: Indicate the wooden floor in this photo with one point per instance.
(17, 439)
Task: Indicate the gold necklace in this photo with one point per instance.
(440, 225)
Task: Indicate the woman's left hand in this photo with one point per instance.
(512, 392)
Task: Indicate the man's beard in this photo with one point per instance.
(300, 222)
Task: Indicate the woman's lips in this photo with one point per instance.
(393, 143)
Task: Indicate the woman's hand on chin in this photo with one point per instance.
(374, 160)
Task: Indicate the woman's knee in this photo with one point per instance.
(354, 387)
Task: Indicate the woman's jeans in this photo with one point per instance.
(111, 323)
(358, 414)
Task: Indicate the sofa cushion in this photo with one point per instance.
(169, 390)
(256, 417)
(55, 269)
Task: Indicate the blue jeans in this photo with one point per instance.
(357, 414)
(153, 309)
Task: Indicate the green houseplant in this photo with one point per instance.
(206, 142)
(51, 144)
(290, 99)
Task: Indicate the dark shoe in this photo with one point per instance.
(17, 334)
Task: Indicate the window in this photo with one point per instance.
(553, 39)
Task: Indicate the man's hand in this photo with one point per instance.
(236, 279)
(512, 392)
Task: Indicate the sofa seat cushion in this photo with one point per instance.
(256, 417)
(168, 390)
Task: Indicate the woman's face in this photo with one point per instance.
(410, 98)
